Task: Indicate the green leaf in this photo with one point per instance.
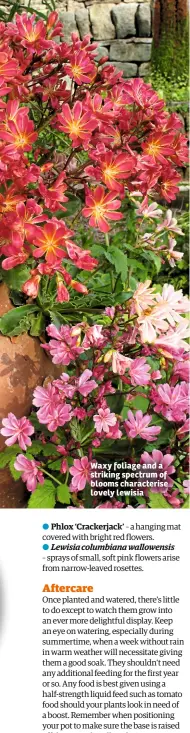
(116, 402)
(49, 450)
(63, 494)
(186, 504)
(34, 10)
(16, 277)
(157, 260)
(14, 473)
(140, 500)
(16, 320)
(86, 428)
(140, 403)
(14, 9)
(44, 497)
(55, 465)
(158, 501)
(35, 448)
(97, 250)
(37, 325)
(75, 429)
(7, 454)
(135, 264)
(118, 259)
(124, 296)
(71, 207)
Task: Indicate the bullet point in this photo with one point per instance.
(45, 526)
(45, 547)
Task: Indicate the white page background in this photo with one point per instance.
(21, 584)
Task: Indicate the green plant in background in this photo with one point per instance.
(170, 62)
(8, 9)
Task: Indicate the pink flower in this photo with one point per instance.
(172, 255)
(56, 418)
(100, 206)
(80, 413)
(172, 402)
(143, 298)
(173, 302)
(64, 386)
(104, 420)
(186, 486)
(149, 211)
(181, 368)
(85, 384)
(63, 347)
(170, 223)
(114, 432)
(184, 429)
(31, 286)
(139, 371)
(120, 363)
(173, 499)
(96, 442)
(53, 412)
(62, 292)
(111, 505)
(46, 398)
(93, 337)
(173, 340)
(77, 123)
(163, 465)
(110, 312)
(138, 425)
(30, 471)
(64, 466)
(156, 375)
(81, 474)
(151, 323)
(17, 430)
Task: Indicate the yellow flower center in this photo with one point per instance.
(76, 70)
(98, 210)
(110, 171)
(32, 35)
(9, 205)
(49, 246)
(21, 140)
(74, 127)
(153, 148)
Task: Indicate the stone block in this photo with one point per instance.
(139, 1)
(101, 51)
(143, 20)
(124, 19)
(101, 23)
(133, 51)
(144, 69)
(82, 21)
(129, 70)
(98, 2)
(73, 5)
(69, 24)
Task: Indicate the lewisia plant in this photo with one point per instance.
(123, 391)
(72, 129)
(114, 138)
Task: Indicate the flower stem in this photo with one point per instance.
(112, 281)
(50, 476)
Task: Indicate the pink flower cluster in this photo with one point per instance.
(131, 144)
(75, 408)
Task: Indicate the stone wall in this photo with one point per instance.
(122, 29)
